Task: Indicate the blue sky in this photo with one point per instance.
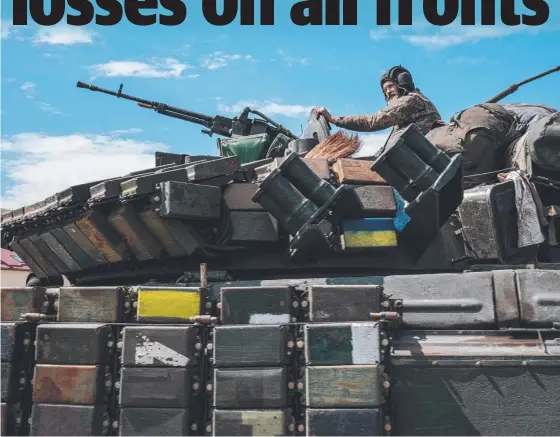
(55, 135)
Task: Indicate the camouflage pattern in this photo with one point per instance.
(400, 112)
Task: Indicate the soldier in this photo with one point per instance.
(405, 105)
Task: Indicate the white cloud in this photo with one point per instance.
(165, 68)
(38, 165)
(28, 85)
(377, 35)
(64, 35)
(290, 60)
(6, 29)
(268, 108)
(28, 89)
(371, 143)
(217, 60)
(133, 130)
(47, 107)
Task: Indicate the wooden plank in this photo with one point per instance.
(355, 171)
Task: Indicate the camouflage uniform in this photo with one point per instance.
(400, 112)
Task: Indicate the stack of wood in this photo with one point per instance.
(336, 146)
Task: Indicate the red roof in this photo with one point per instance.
(11, 261)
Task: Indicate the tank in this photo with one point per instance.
(284, 296)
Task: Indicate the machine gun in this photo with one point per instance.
(513, 88)
(228, 127)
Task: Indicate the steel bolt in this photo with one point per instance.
(115, 424)
(110, 343)
(300, 386)
(291, 385)
(301, 428)
(300, 344)
(304, 303)
(209, 387)
(385, 342)
(198, 346)
(209, 428)
(290, 344)
(194, 427)
(209, 346)
(196, 386)
(291, 427)
(388, 427)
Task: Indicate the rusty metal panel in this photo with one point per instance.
(135, 234)
(48, 254)
(69, 420)
(253, 226)
(69, 384)
(437, 400)
(16, 301)
(445, 301)
(211, 169)
(8, 335)
(38, 257)
(60, 251)
(256, 305)
(357, 386)
(471, 348)
(84, 260)
(80, 239)
(251, 422)
(157, 387)
(155, 421)
(343, 303)
(251, 388)
(344, 422)
(265, 345)
(178, 238)
(238, 197)
(190, 201)
(345, 343)
(103, 236)
(27, 259)
(161, 346)
(505, 297)
(539, 297)
(91, 304)
(73, 343)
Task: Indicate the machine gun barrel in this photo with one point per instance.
(160, 108)
(513, 88)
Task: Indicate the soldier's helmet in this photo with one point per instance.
(401, 76)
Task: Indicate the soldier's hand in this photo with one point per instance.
(319, 110)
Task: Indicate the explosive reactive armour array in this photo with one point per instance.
(305, 357)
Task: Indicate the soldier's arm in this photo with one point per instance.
(396, 112)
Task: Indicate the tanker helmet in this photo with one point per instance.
(401, 76)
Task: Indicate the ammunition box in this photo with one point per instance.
(6, 376)
(256, 305)
(69, 420)
(48, 254)
(253, 227)
(357, 172)
(339, 303)
(16, 301)
(211, 169)
(251, 422)
(154, 421)
(344, 422)
(168, 305)
(79, 240)
(91, 304)
(178, 238)
(237, 346)
(238, 197)
(371, 201)
(69, 384)
(60, 251)
(343, 386)
(190, 201)
(27, 259)
(100, 233)
(17, 341)
(44, 264)
(156, 387)
(340, 344)
(539, 297)
(251, 388)
(160, 346)
(137, 237)
(318, 165)
(74, 343)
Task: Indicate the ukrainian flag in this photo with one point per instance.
(369, 233)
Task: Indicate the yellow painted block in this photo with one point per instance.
(370, 239)
(168, 304)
